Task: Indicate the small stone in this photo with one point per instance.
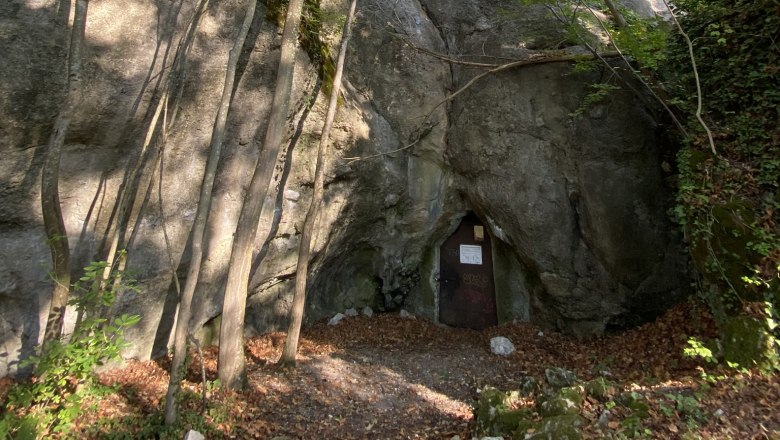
(193, 435)
(336, 319)
(718, 413)
(368, 311)
(404, 314)
(604, 418)
(501, 346)
(540, 334)
(351, 312)
(559, 377)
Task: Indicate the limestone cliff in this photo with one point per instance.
(576, 206)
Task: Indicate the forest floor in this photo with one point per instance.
(392, 377)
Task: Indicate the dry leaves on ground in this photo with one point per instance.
(393, 377)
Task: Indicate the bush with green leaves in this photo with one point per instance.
(729, 204)
(65, 369)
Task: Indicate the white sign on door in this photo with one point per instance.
(470, 254)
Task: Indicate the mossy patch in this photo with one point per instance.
(563, 427)
(748, 341)
(600, 389)
(496, 412)
(309, 37)
(565, 401)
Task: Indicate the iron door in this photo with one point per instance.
(466, 287)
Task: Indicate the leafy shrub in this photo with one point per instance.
(65, 370)
(728, 205)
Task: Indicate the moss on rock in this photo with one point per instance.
(495, 412)
(563, 427)
(748, 341)
(565, 401)
(600, 389)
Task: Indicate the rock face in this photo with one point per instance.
(575, 206)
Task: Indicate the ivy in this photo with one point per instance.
(737, 48)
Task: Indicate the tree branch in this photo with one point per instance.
(696, 78)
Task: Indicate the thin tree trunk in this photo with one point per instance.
(118, 227)
(304, 250)
(50, 199)
(231, 336)
(620, 21)
(201, 216)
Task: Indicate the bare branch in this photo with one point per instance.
(696, 78)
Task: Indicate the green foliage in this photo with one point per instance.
(642, 39)
(52, 400)
(597, 94)
(728, 205)
(697, 349)
(314, 22)
(686, 405)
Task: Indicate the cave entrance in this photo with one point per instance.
(467, 295)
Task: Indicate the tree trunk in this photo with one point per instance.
(201, 216)
(304, 250)
(620, 21)
(231, 335)
(50, 198)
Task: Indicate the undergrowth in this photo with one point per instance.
(64, 379)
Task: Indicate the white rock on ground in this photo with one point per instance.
(404, 314)
(351, 312)
(336, 319)
(368, 311)
(502, 346)
(193, 435)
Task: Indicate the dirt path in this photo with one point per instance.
(393, 377)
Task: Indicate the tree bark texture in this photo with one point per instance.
(304, 250)
(201, 216)
(231, 366)
(620, 21)
(53, 222)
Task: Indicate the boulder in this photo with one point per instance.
(558, 194)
